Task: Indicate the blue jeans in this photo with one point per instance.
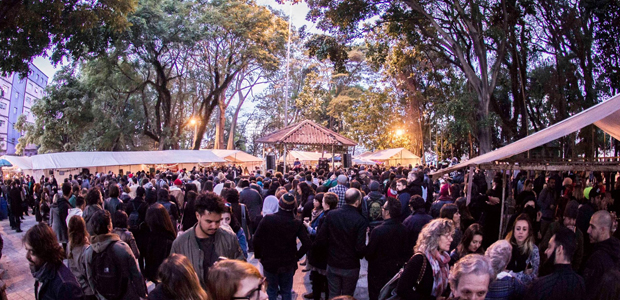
(341, 281)
(279, 283)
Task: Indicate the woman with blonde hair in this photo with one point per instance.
(178, 280)
(525, 259)
(235, 279)
(426, 274)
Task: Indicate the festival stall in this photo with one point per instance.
(393, 157)
(61, 165)
(18, 165)
(305, 157)
(238, 157)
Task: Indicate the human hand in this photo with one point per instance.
(493, 201)
(572, 227)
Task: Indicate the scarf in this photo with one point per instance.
(315, 214)
(439, 261)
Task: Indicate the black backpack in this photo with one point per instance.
(134, 218)
(108, 275)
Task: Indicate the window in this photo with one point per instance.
(2, 122)
(2, 105)
(16, 95)
(28, 100)
(14, 110)
(30, 86)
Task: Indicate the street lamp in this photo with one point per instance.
(399, 132)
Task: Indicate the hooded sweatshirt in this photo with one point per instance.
(136, 287)
(606, 256)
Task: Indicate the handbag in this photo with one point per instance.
(388, 292)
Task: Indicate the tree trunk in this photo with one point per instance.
(484, 129)
(219, 128)
(233, 125)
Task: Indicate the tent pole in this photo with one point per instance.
(470, 183)
(501, 220)
(283, 161)
(333, 160)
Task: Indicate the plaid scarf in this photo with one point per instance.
(439, 261)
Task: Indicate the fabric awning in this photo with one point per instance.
(387, 154)
(21, 162)
(236, 156)
(67, 160)
(605, 115)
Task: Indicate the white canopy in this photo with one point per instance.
(394, 156)
(363, 161)
(21, 162)
(305, 156)
(605, 115)
(236, 156)
(67, 160)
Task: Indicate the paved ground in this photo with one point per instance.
(20, 283)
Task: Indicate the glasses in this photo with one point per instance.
(253, 294)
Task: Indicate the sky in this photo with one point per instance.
(299, 12)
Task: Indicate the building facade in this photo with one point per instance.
(18, 96)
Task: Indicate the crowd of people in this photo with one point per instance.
(190, 232)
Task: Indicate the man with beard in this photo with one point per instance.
(204, 243)
(53, 280)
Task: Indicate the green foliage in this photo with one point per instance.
(70, 28)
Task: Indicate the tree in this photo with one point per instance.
(233, 36)
(471, 35)
(71, 28)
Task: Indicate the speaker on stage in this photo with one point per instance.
(271, 162)
(346, 160)
(280, 167)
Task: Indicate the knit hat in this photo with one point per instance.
(178, 182)
(287, 202)
(572, 209)
(342, 179)
(567, 181)
(586, 192)
(374, 186)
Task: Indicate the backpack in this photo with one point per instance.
(244, 221)
(134, 218)
(375, 208)
(108, 275)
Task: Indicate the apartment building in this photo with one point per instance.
(17, 97)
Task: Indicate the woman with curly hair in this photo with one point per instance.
(426, 274)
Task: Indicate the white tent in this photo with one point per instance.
(394, 156)
(305, 156)
(605, 115)
(363, 161)
(65, 163)
(238, 157)
(19, 162)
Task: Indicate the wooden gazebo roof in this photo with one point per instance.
(306, 133)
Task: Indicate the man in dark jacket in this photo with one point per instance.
(563, 283)
(53, 280)
(385, 261)
(373, 204)
(403, 197)
(129, 280)
(416, 221)
(59, 212)
(113, 203)
(252, 200)
(15, 199)
(275, 244)
(547, 201)
(344, 236)
(606, 251)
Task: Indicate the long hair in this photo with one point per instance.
(428, 240)
(44, 244)
(528, 245)
(225, 275)
(179, 279)
(468, 236)
(158, 219)
(306, 191)
(78, 235)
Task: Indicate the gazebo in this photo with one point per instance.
(306, 133)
